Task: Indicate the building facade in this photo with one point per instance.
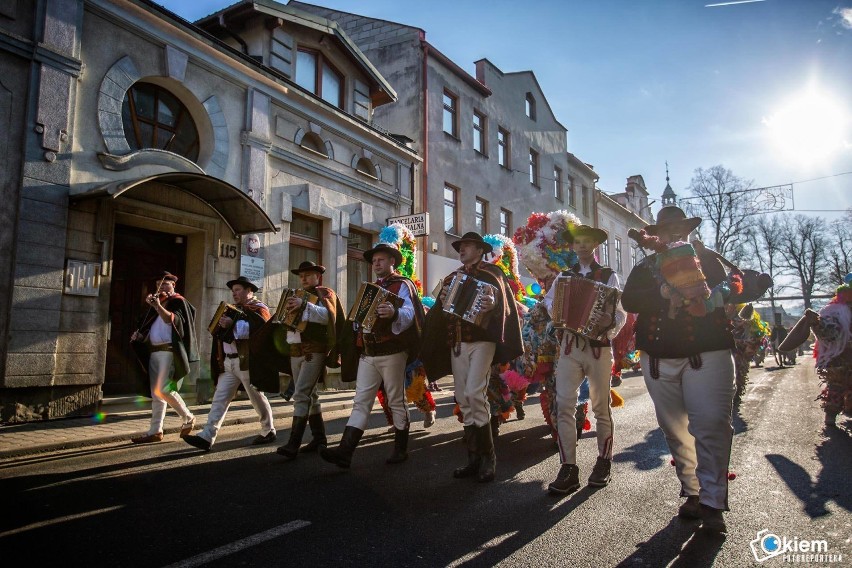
(493, 150)
(617, 214)
(242, 143)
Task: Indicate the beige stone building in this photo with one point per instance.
(135, 141)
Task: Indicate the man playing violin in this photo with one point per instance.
(167, 335)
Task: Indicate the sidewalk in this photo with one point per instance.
(122, 418)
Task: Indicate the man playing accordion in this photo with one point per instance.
(456, 345)
(381, 357)
(582, 357)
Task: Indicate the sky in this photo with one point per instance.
(763, 87)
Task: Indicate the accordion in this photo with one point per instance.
(463, 298)
(224, 309)
(579, 304)
(292, 319)
(369, 297)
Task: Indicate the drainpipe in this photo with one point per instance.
(233, 34)
(424, 179)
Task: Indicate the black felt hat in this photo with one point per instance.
(384, 247)
(167, 276)
(245, 282)
(672, 218)
(598, 235)
(308, 266)
(476, 238)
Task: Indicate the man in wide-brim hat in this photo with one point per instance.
(453, 345)
(689, 373)
(581, 357)
(310, 351)
(671, 220)
(380, 357)
(232, 366)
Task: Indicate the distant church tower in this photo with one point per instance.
(669, 196)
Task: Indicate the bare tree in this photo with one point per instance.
(718, 198)
(805, 254)
(764, 242)
(840, 248)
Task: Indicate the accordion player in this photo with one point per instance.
(224, 310)
(370, 296)
(292, 319)
(580, 302)
(463, 299)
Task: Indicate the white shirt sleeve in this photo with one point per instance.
(620, 314)
(405, 316)
(241, 329)
(315, 313)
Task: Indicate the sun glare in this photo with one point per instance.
(809, 128)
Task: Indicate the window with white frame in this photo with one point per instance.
(451, 210)
(481, 216)
(479, 136)
(618, 264)
(505, 222)
(450, 122)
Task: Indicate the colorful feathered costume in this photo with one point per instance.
(751, 335)
(833, 352)
(545, 248)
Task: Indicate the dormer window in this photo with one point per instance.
(530, 106)
(155, 118)
(317, 75)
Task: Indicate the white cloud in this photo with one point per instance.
(845, 15)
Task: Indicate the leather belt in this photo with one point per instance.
(161, 347)
(232, 355)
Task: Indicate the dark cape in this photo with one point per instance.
(503, 327)
(263, 373)
(350, 355)
(184, 341)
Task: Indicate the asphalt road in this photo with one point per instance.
(241, 505)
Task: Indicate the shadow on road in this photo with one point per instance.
(647, 455)
(678, 544)
(835, 455)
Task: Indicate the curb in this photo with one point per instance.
(113, 438)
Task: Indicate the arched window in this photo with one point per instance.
(367, 168)
(155, 118)
(314, 143)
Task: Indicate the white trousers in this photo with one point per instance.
(693, 409)
(372, 372)
(160, 370)
(571, 369)
(306, 374)
(226, 388)
(471, 371)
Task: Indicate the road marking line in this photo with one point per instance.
(60, 520)
(236, 546)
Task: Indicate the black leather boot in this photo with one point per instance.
(473, 458)
(400, 446)
(291, 449)
(318, 440)
(341, 456)
(495, 426)
(485, 446)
